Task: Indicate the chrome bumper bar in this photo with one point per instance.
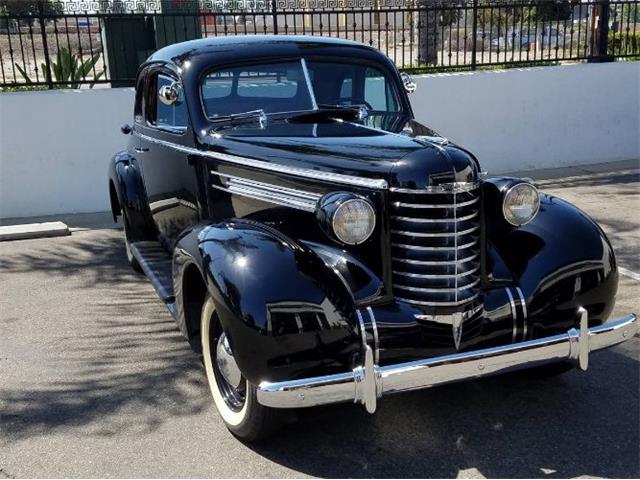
(366, 383)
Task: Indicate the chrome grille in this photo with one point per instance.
(435, 245)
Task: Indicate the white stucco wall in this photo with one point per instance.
(521, 119)
(55, 146)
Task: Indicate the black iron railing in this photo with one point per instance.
(85, 42)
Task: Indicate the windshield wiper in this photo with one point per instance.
(331, 111)
(253, 117)
(338, 106)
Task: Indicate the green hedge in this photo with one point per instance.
(23, 88)
(622, 43)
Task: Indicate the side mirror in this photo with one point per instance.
(408, 82)
(170, 94)
(126, 129)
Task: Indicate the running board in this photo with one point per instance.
(155, 262)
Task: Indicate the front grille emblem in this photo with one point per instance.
(454, 319)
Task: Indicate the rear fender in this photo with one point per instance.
(131, 198)
(286, 314)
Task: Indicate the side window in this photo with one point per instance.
(138, 108)
(161, 115)
(377, 92)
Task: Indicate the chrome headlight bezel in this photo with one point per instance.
(333, 205)
(367, 207)
(512, 190)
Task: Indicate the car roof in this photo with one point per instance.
(212, 44)
(211, 51)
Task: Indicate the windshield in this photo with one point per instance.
(273, 87)
(297, 86)
(348, 84)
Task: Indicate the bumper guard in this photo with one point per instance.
(368, 382)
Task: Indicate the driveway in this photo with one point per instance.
(95, 380)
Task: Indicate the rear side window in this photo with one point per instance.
(273, 87)
(137, 112)
(171, 117)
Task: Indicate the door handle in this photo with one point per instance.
(141, 149)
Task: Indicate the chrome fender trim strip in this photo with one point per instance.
(514, 314)
(363, 331)
(376, 342)
(523, 305)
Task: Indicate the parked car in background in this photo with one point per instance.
(319, 245)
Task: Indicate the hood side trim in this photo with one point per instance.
(373, 183)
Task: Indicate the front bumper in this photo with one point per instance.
(368, 382)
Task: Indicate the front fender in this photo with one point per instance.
(561, 260)
(131, 198)
(286, 314)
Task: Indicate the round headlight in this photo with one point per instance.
(353, 221)
(521, 204)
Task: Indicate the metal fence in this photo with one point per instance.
(70, 43)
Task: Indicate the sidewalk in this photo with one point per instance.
(545, 176)
(546, 179)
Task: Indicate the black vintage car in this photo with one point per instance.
(320, 245)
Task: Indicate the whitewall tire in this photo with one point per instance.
(237, 404)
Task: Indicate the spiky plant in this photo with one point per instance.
(69, 70)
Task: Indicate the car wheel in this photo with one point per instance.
(234, 396)
(132, 260)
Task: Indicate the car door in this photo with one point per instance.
(169, 178)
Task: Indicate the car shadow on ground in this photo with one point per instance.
(125, 353)
(129, 370)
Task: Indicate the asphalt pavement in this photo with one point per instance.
(96, 381)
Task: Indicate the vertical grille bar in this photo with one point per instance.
(455, 240)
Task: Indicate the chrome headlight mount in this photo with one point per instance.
(346, 217)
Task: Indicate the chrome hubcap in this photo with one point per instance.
(226, 363)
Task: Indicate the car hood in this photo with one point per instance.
(413, 156)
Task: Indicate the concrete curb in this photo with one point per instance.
(33, 230)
